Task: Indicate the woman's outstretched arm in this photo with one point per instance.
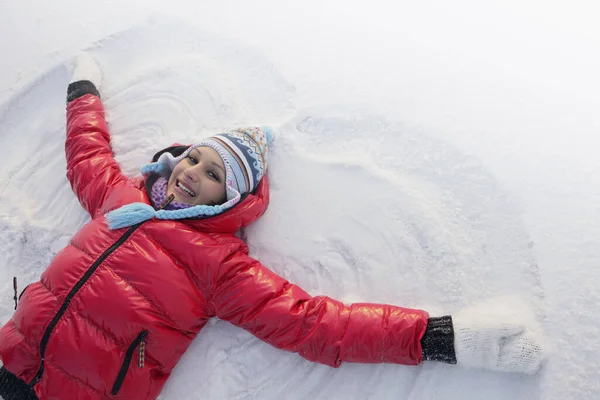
(498, 335)
(91, 167)
(320, 329)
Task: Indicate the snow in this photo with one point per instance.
(427, 156)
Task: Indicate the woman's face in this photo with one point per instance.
(199, 179)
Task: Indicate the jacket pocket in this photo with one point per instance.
(140, 341)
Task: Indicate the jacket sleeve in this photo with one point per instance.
(91, 168)
(318, 328)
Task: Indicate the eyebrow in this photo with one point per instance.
(212, 162)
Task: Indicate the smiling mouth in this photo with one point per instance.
(186, 190)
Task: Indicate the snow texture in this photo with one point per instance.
(364, 207)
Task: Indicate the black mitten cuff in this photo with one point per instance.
(12, 388)
(81, 88)
(438, 340)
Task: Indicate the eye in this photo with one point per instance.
(193, 160)
(214, 176)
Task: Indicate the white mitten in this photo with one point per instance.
(84, 67)
(500, 335)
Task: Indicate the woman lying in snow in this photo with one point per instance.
(117, 308)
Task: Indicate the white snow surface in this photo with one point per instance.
(426, 155)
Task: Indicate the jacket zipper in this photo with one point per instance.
(15, 289)
(140, 341)
(72, 293)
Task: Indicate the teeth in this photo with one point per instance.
(185, 189)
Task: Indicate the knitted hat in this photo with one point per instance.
(244, 154)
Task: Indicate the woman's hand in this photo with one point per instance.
(84, 67)
(500, 335)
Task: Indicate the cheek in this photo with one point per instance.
(171, 180)
(176, 171)
(217, 191)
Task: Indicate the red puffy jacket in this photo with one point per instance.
(115, 310)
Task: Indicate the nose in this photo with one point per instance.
(193, 172)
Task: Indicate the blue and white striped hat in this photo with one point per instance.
(244, 153)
